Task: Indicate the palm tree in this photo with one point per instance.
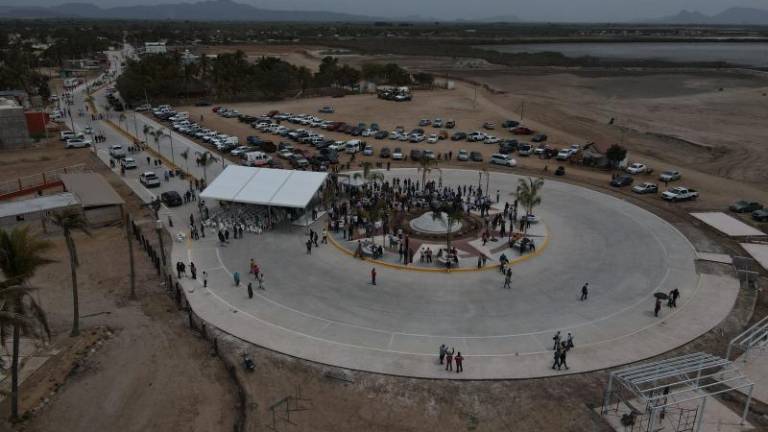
(205, 159)
(453, 213)
(425, 167)
(369, 175)
(69, 221)
(528, 193)
(147, 131)
(20, 255)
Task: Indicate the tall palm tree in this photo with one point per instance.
(69, 221)
(147, 131)
(453, 213)
(20, 255)
(369, 175)
(529, 193)
(205, 159)
(425, 167)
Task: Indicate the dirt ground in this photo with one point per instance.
(135, 367)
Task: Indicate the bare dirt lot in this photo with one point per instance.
(135, 366)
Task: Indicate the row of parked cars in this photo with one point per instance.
(181, 123)
(754, 208)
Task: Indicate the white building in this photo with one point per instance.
(154, 48)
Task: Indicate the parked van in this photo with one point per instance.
(502, 159)
(256, 159)
(353, 146)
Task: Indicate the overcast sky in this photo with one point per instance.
(539, 10)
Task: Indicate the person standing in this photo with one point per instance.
(373, 276)
(193, 270)
(569, 341)
(449, 359)
(205, 279)
(675, 296)
(584, 291)
(236, 277)
(325, 236)
(309, 247)
(260, 278)
(508, 279)
(250, 290)
(443, 350)
(459, 362)
(657, 307)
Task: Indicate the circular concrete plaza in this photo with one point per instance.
(322, 307)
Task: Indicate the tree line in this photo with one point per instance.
(168, 77)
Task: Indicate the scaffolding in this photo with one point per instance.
(755, 336)
(665, 386)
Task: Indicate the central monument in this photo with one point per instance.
(430, 223)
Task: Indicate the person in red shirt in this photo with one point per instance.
(459, 360)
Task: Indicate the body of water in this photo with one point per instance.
(754, 54)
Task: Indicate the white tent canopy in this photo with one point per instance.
(265, 186)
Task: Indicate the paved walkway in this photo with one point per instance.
(322, 307)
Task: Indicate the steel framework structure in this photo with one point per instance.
(675, 380)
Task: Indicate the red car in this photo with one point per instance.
(522, 131)
(216, 109)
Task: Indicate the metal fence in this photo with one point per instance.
(39, 179)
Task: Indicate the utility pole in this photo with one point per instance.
(128, 233)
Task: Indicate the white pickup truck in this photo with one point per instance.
(680, 194)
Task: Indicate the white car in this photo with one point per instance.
(398, 154)
(433, 139)
(368, 151)
(149, 179)
(463, 155)
(490, 139)
(637, 168)
(564, 154)
(77, 143)
(502, 159)
(428, 154)
(128, 163)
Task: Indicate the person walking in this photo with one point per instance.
(657, 308)
(563, 363)
(193, 270)
(449, 359)
(556, 364)
(584, 291)
(205, 279)
(459, 362)
(675, 295)
(442, 352)
(508, 279)
(236, 277)
(569, 341)
(309, 247)
(250, 290)
(325, 236)
(556, 338)
(373, 276)
(260, 278)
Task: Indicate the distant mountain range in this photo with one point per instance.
(731, 16)
(209, 10)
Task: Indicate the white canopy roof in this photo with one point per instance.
(265, 186)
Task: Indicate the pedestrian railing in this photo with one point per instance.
(756, 335)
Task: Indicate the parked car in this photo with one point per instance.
(128, 163)
(416, 154)
(476, 156)
(645, 188)
(562, 155)
(760, 215)
(462, 156)
(368, 151)
(492, 140)
(425, 122)
(743, 206)
(507, 124)
(428, 154)
(326, 110)
(637, 168)
(489, 125)
(433, 139)
(520, 130)
(149, 179)
(502, 159)
(525, 149)
(381, 134)
(77, 143)
(680, 194)
(539, 138)
(385, 153)
(622, 180)
(476, 136)
(458, 136)
(669, 175)
(450, 124)
(437, 123)
(171, 198)
(398, 154)
(508, 147)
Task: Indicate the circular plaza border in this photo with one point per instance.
(323, 308)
